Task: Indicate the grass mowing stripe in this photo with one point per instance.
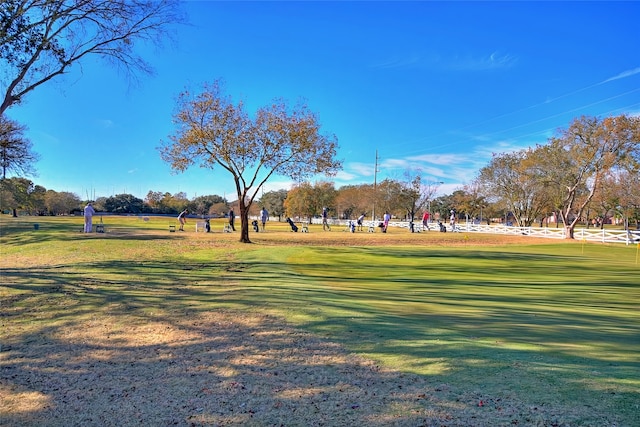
(554, 324)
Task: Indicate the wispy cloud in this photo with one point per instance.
(439, 159)
(346, 176)
(623, 75)
(362, 169)
(408, 61)
(494, 60)
(464, 62)
(105, 123)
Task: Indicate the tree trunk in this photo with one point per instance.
(568, 231)
(244, 223)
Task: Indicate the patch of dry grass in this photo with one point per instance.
(222, 368)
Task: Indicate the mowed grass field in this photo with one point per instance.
(141, 326)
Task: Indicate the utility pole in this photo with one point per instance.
(375, 187)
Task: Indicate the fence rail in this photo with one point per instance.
(591, 235)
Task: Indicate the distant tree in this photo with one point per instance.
(16, 153)
(273, 201)
(176, 202)
(98, 204)
(167, 203)
(415, 192)
(42, 39)
(324, 196)
(16, 194)
(218, 209)
(516, 181)
(8, 201)
(387, 197)
(124, 203)
(475, 203)
(630, 195)
(623, 195)
(37, 204)
(308, 200)
(59, 203)
(353, 200)
(213, 131)
(441, 205)
(202, 204)
(299, 201)
(577, 160)
(154, 200)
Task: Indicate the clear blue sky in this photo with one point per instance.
(436, 86)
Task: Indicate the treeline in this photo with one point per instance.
(24, 196)
(407, 198)
(589, 172)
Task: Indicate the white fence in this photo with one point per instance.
(590, 234)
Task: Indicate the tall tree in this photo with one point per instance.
(201, 205)
(15, 194)
(474, 203)
(63, 202)
(324, 196)
(16, 153)
(415, 192)
(42, 39)
(273, 201)
(124, 203)
(579, 158)
(387, 200)
(213, 132)
(515, 180)
(299, 200)
(353, 200)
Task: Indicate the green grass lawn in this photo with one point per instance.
(556, 323)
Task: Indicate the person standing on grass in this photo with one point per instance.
(89, 212)
(385, 221)
(325, 217)
(425, 220)
(182, 218)
(232, 217)
(264, 216)
(360, 221)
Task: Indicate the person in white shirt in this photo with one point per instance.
(182, 218)
(386, 218)
(264, 216)
(89, 212)
(360, 221)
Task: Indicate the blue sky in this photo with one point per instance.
(435, 86)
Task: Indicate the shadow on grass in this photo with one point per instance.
(530, 329)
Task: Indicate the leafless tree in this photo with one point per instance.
(42, 39)
(16, 154)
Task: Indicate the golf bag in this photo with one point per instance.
(294, 227)
(254, 223)
(443, 228)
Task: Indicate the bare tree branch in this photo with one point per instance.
(41, 39)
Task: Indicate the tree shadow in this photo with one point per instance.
(125, 342)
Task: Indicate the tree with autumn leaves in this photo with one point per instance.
(212, 131)
(564, 175)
